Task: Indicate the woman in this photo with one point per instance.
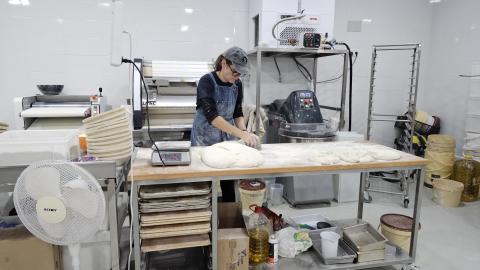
(219, 115)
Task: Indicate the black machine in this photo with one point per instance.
(301, 106)
(298, 119)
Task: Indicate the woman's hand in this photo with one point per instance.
(250, 139)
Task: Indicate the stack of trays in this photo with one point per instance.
(365, 241)
(175, 216)
(109, 135)
(3, 127)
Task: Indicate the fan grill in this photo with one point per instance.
(76, 227)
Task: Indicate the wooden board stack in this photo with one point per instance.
(175, 216)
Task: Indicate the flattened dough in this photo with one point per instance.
(384, 154)
(231, 154)
(355, 156)
(325, 159)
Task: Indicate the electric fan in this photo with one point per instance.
(60, 203)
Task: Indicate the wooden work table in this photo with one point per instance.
(280, 160)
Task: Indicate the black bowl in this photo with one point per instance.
(323, 225)
(50, 89)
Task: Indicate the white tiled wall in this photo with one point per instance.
(456, 37)
(68, 41)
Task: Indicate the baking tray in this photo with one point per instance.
(344, 254)
(311, 220)
(363, 237)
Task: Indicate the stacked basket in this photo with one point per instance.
(109, 135)
(441, 153)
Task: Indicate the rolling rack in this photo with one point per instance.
(409, 118)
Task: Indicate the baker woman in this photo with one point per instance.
(219, 115)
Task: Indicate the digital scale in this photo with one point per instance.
(173, 153)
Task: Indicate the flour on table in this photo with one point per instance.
(355, 156)
(325, 158)
(231, 154)
(384, 154)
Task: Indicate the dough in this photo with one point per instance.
(231, 154)
(355, 156)
(325, 159)
(384, 154)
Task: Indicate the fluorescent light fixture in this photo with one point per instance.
(189, 10)
(104, 4)
(434, 1)
(227, 39)
(19, 2)
(367, 20)
(184, 28)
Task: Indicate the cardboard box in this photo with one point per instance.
(20, 250)
(232, 252)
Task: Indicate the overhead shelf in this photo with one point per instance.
(295, 52)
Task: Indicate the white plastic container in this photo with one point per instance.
(329, 243)
(22, 147)
(275, 194)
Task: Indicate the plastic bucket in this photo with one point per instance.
(447, 192)
(276, 194)
(251, 192)
(329, 242)
(397, 229)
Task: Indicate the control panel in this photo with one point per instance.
(311, 40)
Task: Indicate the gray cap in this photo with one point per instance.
(239, 59)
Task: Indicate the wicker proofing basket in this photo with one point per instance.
(447, 192)
(251, 192)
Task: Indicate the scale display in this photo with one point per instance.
(173, 153)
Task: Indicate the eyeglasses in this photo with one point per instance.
(234, 72)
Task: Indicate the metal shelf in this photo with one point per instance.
(295, 52)
(110, 177)
(313, 53)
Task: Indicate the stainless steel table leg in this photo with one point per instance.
(416, 212)
(214, 223)
(363, 178)
(113, 224)
(134, 223)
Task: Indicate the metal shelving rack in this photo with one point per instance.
(112, 179)
(307, 260)
(314, 53)
(402, 176)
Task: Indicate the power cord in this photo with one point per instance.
(124, 60)
(340, 75)
(278, 69)
(303, 70)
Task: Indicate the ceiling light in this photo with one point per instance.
(104, 4)
(184, 28)
(227, 39)
(434, 1)
(189, 10)
(19, 2)
(367, 20)
(59, 20)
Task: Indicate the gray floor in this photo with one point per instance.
(449, 237)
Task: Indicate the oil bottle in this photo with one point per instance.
(259, 229)
(466, 171)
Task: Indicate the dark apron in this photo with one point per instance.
(204, 134)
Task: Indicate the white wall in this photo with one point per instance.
(68, 42)
(384, 22)
(456, 36)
